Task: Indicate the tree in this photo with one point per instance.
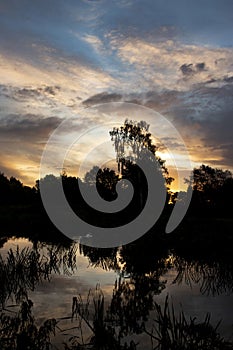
(132, 141)
(4, 189)
(212, 188)
(207, 179)
(105, 180)
(134, 137)
(13, 192)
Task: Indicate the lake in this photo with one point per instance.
(130, 279)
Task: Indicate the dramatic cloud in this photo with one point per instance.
(29, 127)
(22, 141)
(203, 117)
(58, 58)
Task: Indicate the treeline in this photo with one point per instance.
(13, 192)
(21, 207)
(212, 190)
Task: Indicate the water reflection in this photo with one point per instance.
(22, 270)
(132, 301)
(105, 258)
(123, 324)
(128, 311)
(214, 277)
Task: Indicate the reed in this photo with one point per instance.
(171, 332)
(19, 332)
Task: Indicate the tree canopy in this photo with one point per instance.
(212, 190)
(133, 140)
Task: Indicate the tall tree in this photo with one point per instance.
(133, 139)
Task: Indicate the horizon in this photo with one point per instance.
(55, 65)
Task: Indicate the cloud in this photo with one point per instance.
(22, 141)
(164, 65)
(200, 66)
(94, 41)
(187, 69)
(54, 74)
(217, 136)
(93, 46)
(29, 93)
(27, 128)
(175, 58)
(190, 69)
(202, 115)
(103, 97)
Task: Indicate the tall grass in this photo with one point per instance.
(22, 270)
(20, 332)
(91, 313)
(171, 332)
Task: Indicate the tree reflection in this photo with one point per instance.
(213, 277)
(132, 301)
(141, 268)
(103, 333)
(125, 320)
(22, 270)
(105, 258)
(150, 257)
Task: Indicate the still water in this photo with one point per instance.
(194, 286)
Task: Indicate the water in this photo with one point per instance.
(195, 286)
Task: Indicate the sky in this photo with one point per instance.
(58, 58)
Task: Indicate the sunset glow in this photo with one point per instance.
(52, 69)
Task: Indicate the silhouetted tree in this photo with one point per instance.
(105, 181)
(13, 192)
(132, 141)
(135, 140)
(213, 189)
(208, 179)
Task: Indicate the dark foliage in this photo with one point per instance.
(212, 191)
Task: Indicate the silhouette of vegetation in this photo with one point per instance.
(173, 332)
(212, 191)
(22, 211)
(13, 192)
(213, 277)
(132, 142)
(133, 139)
(199, 250)
(106, 258)
(21, 271)
(170, 330)
(213, 273)
(118, 323)
(132, 301)
(20, 331)
(105, 182)
(104, 335)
